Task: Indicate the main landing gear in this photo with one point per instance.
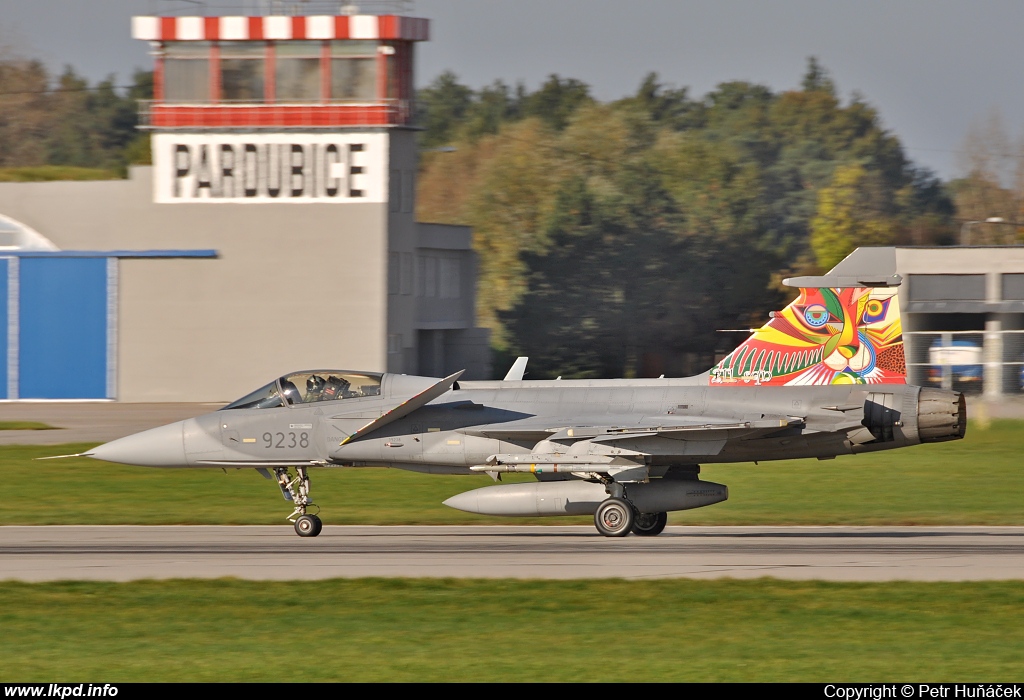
(649, 524)
(616, 516)
(296, 490)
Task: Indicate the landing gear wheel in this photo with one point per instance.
(614, 517)
(649, 524)
(319, 524)
(308, 526)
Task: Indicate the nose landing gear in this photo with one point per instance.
(296, 490)
(308, 526)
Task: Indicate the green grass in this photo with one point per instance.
(48, 173)
(976, 481)
(505, 630)
(24, 425)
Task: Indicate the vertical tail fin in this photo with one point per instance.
(842, 329)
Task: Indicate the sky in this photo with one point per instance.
(931, 68)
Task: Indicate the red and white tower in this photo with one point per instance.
(297, 123)
(249, 108)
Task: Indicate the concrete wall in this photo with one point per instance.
(296, 285)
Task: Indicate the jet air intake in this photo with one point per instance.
(941, 415)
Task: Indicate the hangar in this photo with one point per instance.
(963, 317)
(274, 231)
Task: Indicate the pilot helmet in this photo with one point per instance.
(315, 385)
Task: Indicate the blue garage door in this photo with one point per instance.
(3, 326)
(63, 336)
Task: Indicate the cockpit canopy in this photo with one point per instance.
(311, 387)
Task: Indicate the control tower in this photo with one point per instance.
(281, 107)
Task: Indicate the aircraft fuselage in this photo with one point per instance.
(476, 420)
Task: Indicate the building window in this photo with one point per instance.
(947, 287)
(353, 70)
(440, 277)
(1013, 286)
(297, 71)
(451, 282)
(406, 273)
(430, 277)
(241, 71)
(187, 71)
(393, 281)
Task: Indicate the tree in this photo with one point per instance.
(24, 112)
(816, 79)
(617, 239)
(442, 106)
(71, 123)
(494, 105)
(556, 100)
(668, 106)
(850, 214)
(993, 182)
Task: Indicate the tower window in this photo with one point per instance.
(241, 70)
(353, 70)
(187, 71)
(297, 71)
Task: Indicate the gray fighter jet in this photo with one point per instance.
(824, 377)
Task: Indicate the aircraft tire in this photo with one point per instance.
(306, 526)
(649, 524)
(319, 524)
(614, 517)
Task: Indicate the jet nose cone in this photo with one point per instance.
(466, 501)
(159, 447)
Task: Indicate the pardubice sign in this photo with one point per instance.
(261, 168)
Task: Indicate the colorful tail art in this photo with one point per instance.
(849, 335)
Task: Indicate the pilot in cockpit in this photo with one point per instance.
(315, 388)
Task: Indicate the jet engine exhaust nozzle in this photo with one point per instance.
(941, 415)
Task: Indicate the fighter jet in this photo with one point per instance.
(824, 377)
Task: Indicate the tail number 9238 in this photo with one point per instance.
(282, 441)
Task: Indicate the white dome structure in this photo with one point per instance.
(15, 235)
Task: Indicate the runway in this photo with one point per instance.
(124, 553)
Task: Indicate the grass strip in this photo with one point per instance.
(48, 173)
(511, 630)
(24, 425)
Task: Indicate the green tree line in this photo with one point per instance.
(617, 239)
(66, 123)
